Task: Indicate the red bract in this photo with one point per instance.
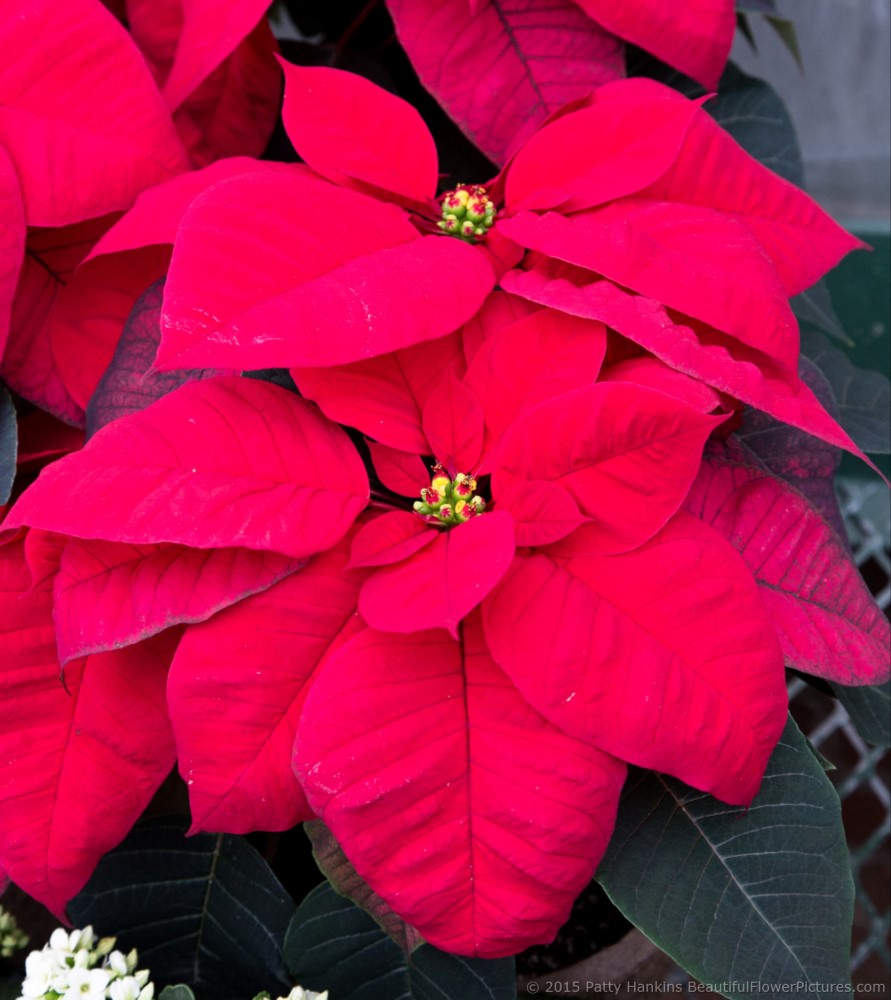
(216, 69)
(219, 463)
(638, 190)
(85, 130)
(81, 764)
(99, 113)
(826, 619)
(80, 116)
(88, 313)
(439, 806)
(502, 70)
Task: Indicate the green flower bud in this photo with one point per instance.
(467, 212)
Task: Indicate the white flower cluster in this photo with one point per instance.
(298, 993)
(77, 966)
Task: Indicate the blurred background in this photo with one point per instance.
(840, 103)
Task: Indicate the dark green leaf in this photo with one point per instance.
(738, 896)
(870, 711)
(753, 113)
(863, 398)
(745, 28)
(757, 6)
(178, 992)
(205, 911)
(277, 376)
(8, 444)
(334, 945)
(814, 307)
(786, 30)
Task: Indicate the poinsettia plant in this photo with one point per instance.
(466, 520)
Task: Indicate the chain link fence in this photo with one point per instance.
(863, 773)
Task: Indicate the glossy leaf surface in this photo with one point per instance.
(204, 911)
(776, 877)
(333, 944)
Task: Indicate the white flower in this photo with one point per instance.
(41, 968)
(59, 940)
(129, 989)
(299, 993)
(117, 962)
(86, 984)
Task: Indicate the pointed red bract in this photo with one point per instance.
(542, 512)
(494, 865)
(402, 472)
(827, 621)
(626, 454)
(500, 72)
(239, 681)
(722, 364)
(29, 364)
(12, 240)
(110, 594)
(497, 311)
(297, 272)
(217, 463)
(696, 261)
(80, 115)
(350, 130)
(235, 109)
(652, 372)
(693, 36)
(713, 171)
(663, 656)
(81, 764)
(156, 214)
(90, 312)
(544, 355)
(437, 586)
(384, 396)
(210, 34)
(217, 70)
(390, 538)
(453, 424)
(615, 148)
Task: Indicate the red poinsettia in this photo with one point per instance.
(587, 484)
(216, 69)
(83, 136)
(500, 69)
(626, 209)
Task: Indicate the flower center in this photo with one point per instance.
(448, 502)
(467, 212)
